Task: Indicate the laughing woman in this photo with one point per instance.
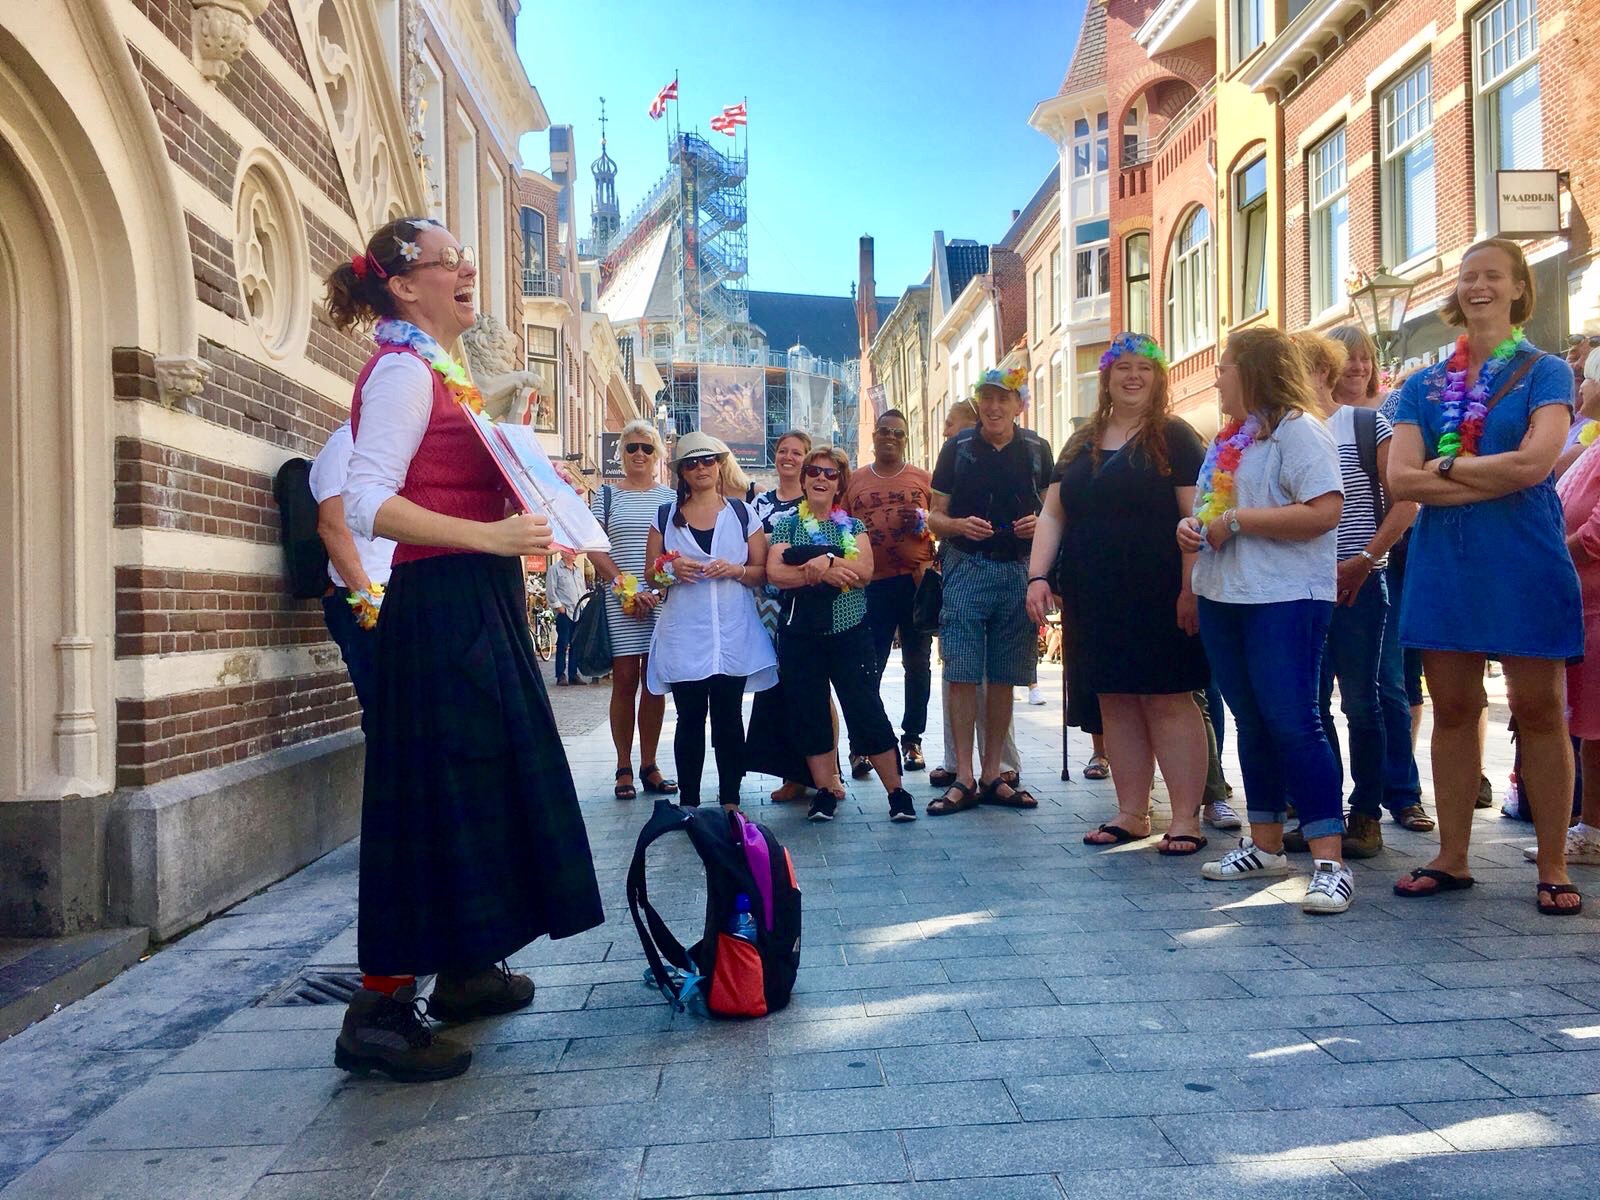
(472, 843)
(1488, 574)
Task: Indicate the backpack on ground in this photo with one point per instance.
(737, 976)
(305, 558)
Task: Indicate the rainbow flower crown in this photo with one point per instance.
(1133, 343)
(1014, 380)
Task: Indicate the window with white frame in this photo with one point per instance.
(1092, 260)
(1135, 143)
(1249, 27)
(1090, 149)
(1190, 315)
(1409, 208)
(532, 225)
(1055, 287)
(493, 264)
(1036, 309)
(431, 95)
(1136, 280)
(1330, 221)
(1250, 237)
(1506, 82)
(465, 224)
(1057, 380)
(1086, 360)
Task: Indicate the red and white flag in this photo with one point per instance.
(736, 114)
(724, 124)
(658, 106)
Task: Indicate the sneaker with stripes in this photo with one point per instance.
(1331, 890)
(1248, 859)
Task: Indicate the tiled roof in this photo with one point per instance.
(1088, 67)
(824, 325)
(965, 259)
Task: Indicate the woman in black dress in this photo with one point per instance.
(1107, 521)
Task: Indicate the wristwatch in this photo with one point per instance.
(1233, 520)
(1445, 465)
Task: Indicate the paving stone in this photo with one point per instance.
(992, 1060)
(225, 1108)
(868, 1033)
(61, 1088)
(319, 1185)
(603, 1175)
(1555, 1173)
(646, 1123)
(1037, 1147)
(1282, 1012)
(1179, 1051)
(750, 1075)
(1372, 1043)
(1510, 1124)
(1060, 1020)
(1174, 985)
(1578, 1032)
(1528, 945)
(470, 1095)
(217, 1174)
(1030, 966)
(1514, 972)
(1228, 959)
(361, 1127)
(1556, 1073)
(910, 1106)
(981, 945)
(516, 1057)
(687, 1043)
(1325, 1084)
(757, 1165)
(1300, 1178)
(868, 975)
(1389, 951)
(1468, 1004)
(1139, 1094)
(1324, 982)
(286, 1050)
(967, 996)
(1315, 1133)
(1012, 1187)
(19, 1151)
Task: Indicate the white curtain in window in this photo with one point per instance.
(1417, 187)
(1518, 125)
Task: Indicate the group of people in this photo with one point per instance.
(1248, 575)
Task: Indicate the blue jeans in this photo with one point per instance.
(1351, 655)
(1267, 659)
(1219, 716)
(357, 645)
(889, 603)
(1402, 785)
(566, 660)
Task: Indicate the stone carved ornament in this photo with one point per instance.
(494, 354)
(221, 30)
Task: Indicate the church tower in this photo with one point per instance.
(604, 217)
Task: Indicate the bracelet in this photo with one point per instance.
(1372, 559)
(1045, 579)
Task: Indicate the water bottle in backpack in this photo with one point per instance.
(742, 924)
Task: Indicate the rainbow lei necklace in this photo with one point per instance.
(391, 331)
(814, 530)
(1462, 412)
(1214, 489)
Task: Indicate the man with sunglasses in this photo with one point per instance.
(892, 497)
(986, 498)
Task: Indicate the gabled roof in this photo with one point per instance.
(965, 259)
(824, 325)
(1088, 69)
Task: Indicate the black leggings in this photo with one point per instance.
(809, 662)
(723, 695)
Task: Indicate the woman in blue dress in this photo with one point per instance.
(1488, 573)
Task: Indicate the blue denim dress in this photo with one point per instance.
(1493, 577)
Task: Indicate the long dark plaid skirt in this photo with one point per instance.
(472, 843)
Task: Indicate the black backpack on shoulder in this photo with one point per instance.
(737, 978)
(305, 558)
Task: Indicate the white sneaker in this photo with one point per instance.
(1248, 859)
(1035, 696)
(1583, 848)
(1331, 890)
(1221, 816)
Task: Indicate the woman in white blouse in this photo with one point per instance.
(709, 646)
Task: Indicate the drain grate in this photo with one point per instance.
(318, 985)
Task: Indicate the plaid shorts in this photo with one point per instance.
(985, 635)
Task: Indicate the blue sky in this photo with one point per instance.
(888, 117)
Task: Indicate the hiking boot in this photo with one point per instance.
(1485, 797)
(1294, 841)
(911, 755)
(823, 806)
(389, 1034)
(860, 766)
(1363, 836)
(901, 806)
(491, 992)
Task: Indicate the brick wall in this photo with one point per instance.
(291, 130)
(170, 612)
(214, 280)
(276, 25)
(163, 488)
(194, 141)
(342, 353)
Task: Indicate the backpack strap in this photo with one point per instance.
(663, 514)
(743, 513)
(1366, 432)
(605, 501)
(657, 940)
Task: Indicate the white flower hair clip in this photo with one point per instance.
(409, 251)
(421, 223)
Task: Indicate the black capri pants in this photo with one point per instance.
(808, 663)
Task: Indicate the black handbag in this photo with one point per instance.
(806, 609)
(591, 639)
(925, 605)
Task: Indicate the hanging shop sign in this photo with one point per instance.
(1529, 203)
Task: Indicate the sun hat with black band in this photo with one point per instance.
(696, 444)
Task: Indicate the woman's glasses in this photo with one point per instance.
(450, 258)
(640, 448)
(815, 472)
(701, 461)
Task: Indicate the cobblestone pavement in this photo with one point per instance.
(987, 1008)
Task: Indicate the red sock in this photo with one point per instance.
(387, 984)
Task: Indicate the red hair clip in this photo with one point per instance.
(362, 263)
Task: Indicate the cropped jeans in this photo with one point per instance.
(1267, 660)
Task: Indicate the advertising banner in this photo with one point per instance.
(611, 456)
(733, 407)
(811, 406)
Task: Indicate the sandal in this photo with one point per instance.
(657, 786)
(625, 791)
(1018, 797)
(1415, 818)
(1119, 835)
(1552, 890)
(1180, 845)
(1099, 768)
(946, 804)
(1443, 881)
(940, 777)
(1011, 778)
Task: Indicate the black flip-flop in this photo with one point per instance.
(1019, 797)
(1443, 881)
(1116, 831)
(1194, 844)
(1558, 889)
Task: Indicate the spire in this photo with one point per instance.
(604, 217)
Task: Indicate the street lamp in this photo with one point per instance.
(1381, 301)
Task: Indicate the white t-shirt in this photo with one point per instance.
(329, 471)
(1297, 463)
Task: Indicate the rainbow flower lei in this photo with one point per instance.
(661, 571)
(367, 605)
(1215, 489)
(921, 527)
(1462, 411)
(813, 528)
(1133, 343)
(627, 591)
(391, 331)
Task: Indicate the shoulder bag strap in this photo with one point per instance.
(605, 494)
(1515, 378)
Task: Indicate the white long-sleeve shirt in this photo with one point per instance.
(329, 472)
(396, 403)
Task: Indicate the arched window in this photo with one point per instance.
(1136, 276)
(1191, 317)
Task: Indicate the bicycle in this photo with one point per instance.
(541, 620)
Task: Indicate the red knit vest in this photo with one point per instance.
(451, 472)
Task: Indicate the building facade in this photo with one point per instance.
(899, 356)
(177, 731)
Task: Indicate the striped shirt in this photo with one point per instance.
(1359, 522)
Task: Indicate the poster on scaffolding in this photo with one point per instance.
(811, 406)
(733, 407)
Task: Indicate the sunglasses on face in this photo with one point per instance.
(703, 460)
(450, 258)
(815, 472)
(897, 434)
(639, 448)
